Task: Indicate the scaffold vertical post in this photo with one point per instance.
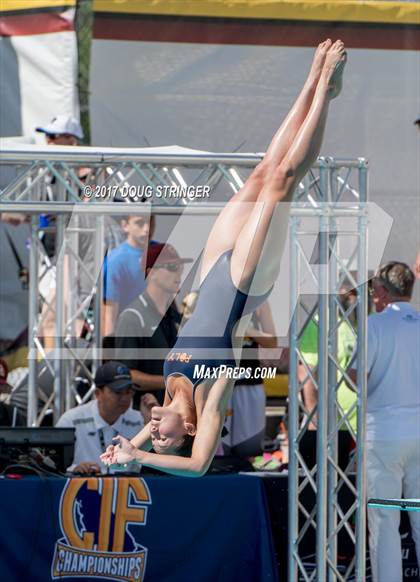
(59, 320)
(293, 479)
(99, 271)
(362, 313)
(32, 409)
(322, 424)
(332, 446)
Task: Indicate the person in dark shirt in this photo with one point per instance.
(147, 329)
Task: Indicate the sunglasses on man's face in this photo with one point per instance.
(173, 267)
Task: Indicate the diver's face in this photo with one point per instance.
(167, 430)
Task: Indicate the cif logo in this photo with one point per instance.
(99, 520)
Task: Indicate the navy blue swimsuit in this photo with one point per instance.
(206, 339)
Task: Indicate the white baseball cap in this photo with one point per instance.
(62, 124)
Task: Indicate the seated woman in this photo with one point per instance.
(240, 264)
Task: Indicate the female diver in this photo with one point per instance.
(240, 264)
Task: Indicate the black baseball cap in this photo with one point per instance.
(115, 375)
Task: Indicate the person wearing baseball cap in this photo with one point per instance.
(148, 328)
(99, 420)
(162, 256)
(115, 375)
(62, 130)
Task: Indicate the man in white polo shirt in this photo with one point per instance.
(393, 415)
(101, 419)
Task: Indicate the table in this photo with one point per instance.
(157, 529)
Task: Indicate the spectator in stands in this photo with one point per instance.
(9, 415)
(393, 415)
(88, 270)
(98, 421)
(62, 130)
(123, 278)
(113, 236)
(19, 378)
(151, 321)
(5, 387)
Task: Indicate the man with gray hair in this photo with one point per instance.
(393, 415)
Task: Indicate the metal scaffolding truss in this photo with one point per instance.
(340, 260)
(127, 174)
(329, 205)
(46, 182)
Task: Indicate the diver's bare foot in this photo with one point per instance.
(334, 67)
(319, 60)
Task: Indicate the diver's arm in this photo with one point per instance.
(203, 451)
(142, 439)
(204, 447)
(180, 466)
(124, 452)
(205, 442)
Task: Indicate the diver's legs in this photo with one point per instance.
(233, 217)
(260, 244)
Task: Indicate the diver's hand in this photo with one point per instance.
(121, 453)
(107, 456)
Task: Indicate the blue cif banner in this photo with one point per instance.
(165, 529)
(104, 547)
